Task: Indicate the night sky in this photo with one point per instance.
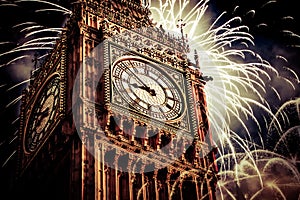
(278, 38)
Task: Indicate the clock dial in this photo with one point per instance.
(43, 114)
(147, 88)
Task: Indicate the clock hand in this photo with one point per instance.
(136, 77)
(42, 115)
(44, 112)
(151, 91)
(136, 85)
(148, 89)
(144, 87)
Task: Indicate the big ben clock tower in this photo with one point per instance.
(116, 112)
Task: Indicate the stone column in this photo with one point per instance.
(116, 176)
(119, 123)
(132, 139)
(106, 180)
(146, 138)
(83, 167)
(197, 188)
(100, 173)
(130, 178)
(109, 114)
(211, 184)
(168, 182)
(144, 182)
(155, 184)
(158, 140)
(180, 190)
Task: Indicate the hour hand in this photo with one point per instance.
(42, 115)
(44, 112)
(136, 85)
(146, 88)
(152, 92)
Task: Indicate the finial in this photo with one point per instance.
(196, 57)
(145, 3)
(162, 28)
(181, 25)
(35, 60)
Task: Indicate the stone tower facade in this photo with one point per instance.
(116, 112)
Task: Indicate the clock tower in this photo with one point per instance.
(117, 111)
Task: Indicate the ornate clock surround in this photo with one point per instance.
(54, 68)
(43, 115)
(145, 87)
(118, 104)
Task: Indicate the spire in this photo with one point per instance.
(196, 57)
(181, 25)
(35, 60)
(145, 3)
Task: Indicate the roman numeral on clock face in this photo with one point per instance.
(168, 106)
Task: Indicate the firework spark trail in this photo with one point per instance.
(30, 27)
(18, 84)
(233, 77)
(58, 7)
(214, 41)
(31, 30)
(40, 43)
(281, 112)
(14, 60)
(34, 38)
(24, 23)
(249, 175)
(296, 77)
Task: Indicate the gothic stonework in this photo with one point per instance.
(129, 102)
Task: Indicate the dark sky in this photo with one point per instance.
(271, 41)
(272, 14)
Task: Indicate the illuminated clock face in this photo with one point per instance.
(43, 114)
(147, 88)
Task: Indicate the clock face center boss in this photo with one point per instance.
(146, 87)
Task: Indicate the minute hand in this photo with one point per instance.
(144, 87)
(139, 80)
